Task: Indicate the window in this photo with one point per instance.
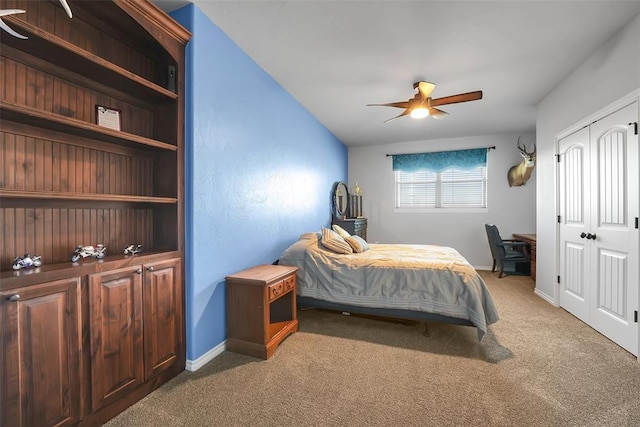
(441, 180)
(451, 188)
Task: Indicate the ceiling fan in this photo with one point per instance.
(422, 105)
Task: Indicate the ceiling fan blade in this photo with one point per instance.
(404, 113)
(437, 114)
(454, 99)
(403, 104)
(424, 89)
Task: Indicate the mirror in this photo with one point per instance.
(340, 200)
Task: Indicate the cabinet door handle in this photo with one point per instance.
(150, 268)
(14, 297)
(139, 271)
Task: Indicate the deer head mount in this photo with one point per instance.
(519, 174)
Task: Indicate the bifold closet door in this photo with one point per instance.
(598, 180)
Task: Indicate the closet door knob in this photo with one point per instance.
(592, 236)
(583, 235)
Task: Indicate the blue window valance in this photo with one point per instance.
(440, 160)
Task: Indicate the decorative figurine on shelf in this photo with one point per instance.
(26, 261)
(132, 249)
(357, 189)
(356, 202)
(98, 251)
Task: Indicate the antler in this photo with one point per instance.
(8, 29)
(66, 8)
(523, 149)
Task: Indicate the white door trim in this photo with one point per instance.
(628, 99)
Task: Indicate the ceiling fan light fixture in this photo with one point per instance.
(419, 113)
(422, 105)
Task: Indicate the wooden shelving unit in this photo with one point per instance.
(66, 181)
(51, 148)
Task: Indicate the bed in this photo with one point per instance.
(416, 282)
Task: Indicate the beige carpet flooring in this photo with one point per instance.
(537, 366)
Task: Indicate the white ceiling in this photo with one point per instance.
(335, 57)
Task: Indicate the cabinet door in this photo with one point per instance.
(115, 313)
(40, 358)
(163, 318)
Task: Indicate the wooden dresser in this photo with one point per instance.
(357, 226)
(261, 309)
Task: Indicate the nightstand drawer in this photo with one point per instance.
(276, 290)
(289, 283)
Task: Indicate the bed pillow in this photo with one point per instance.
(357, 243)
(341, 231)
(332, 241)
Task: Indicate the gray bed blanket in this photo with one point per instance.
(428, 278)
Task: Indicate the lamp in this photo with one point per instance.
(419, 112)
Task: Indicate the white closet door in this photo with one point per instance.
(598, 241)
(575, 220)
(614, 270)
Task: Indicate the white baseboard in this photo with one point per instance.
(194, 365)
(544, 296)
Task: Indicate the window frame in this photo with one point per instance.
(438, 194)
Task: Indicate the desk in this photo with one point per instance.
(531, 240)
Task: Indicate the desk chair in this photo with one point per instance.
(504, 251)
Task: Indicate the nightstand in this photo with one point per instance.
(261, 309)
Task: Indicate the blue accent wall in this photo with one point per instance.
(259, 171)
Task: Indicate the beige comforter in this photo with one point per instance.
(434, 279)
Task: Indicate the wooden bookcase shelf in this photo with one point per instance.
(66, 182)
(34, 117)
(10, 280)
(61, 53)
(14, 194)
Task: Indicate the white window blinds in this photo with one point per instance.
(453, 187)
